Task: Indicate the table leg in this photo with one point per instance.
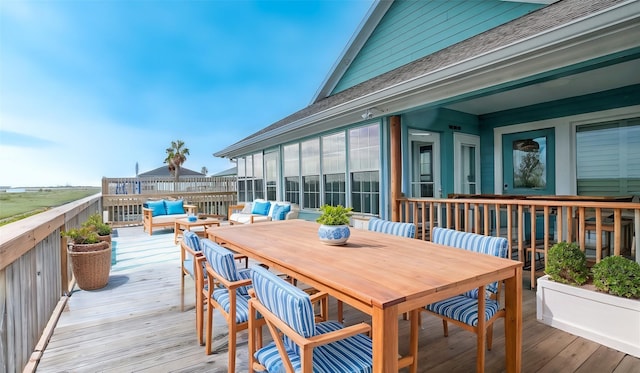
(513, 321)
(385, 339)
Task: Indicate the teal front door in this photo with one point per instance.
(529, 168)
(529, 162)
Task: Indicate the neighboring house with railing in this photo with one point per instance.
(432, 99)
(123, 197)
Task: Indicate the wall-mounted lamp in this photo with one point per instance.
(371, 112)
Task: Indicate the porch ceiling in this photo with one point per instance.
(602, 79)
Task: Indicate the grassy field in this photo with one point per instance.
(16, 206)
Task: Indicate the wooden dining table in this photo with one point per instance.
(382, 275)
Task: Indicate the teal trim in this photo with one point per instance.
(445, 122)
(612, 99)
(413, 29)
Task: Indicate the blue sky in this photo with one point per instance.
(89, 88)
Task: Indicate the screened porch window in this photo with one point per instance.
(333, 169)
(310, 161)
(608, 158)
(291, 169)
(364, 168)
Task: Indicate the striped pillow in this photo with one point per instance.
(287, 302)
(222, 262)
(496, 246)
(390, 227)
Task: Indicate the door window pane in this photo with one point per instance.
(529, 163)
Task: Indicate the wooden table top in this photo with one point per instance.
(373, 268)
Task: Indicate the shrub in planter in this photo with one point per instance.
(567, 264)
(617, 275)
(95, 221)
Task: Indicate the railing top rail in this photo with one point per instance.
(531, 202)
(21, 236)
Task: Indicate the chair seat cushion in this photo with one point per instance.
(221, 295)
(463, 308)
(352, 354)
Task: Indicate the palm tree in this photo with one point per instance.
(176, 156)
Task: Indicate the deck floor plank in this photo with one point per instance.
(135, 325)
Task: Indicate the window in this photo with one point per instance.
(258, 175)
(310, 161)
(271, 174)
(333, 167)
(608, 158)
(242, 183)
(291, 154)
(364, 167)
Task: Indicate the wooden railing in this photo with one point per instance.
(123, 197)
(572, 219)
(35, 279)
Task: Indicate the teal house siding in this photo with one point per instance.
(413, 29)
(611, 99)
(445, 122)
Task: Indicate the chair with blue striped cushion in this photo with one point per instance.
(463, 309)
(391, 227)
(193, 265)
(300, 344)
(227, 291)
(190, 249)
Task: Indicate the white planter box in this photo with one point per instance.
(606, 319)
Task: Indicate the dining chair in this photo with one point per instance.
(463, 309)
(226, 290)
(190, 249)
(300, 343)
(392, 227)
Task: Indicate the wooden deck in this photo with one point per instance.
(135, 325)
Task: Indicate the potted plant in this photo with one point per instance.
(582, 302)
(334, 228)
(90, 256)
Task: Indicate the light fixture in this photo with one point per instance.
(370, 113)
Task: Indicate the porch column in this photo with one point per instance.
(396, 166)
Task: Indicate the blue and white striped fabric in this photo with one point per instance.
(390, 227)
(193, 242)
(293, 306)
(221, 295)
(464, 309)
(496, 246)
(222, 262)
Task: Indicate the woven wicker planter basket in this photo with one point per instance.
(91, 264)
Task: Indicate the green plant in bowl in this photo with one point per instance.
(334, 215)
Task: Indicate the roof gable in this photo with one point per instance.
(399, 32)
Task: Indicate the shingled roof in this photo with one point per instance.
(551, 16)
(163, 171)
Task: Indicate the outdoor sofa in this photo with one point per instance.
(162, 213)
(261, 210)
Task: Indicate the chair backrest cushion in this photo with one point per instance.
(290, 304)
(390, 227)
(192, 240)
(496, 246)
(222, 262)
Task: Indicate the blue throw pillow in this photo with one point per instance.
(261, 208)
(175, 207)
(280, 212)
(158, 207)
